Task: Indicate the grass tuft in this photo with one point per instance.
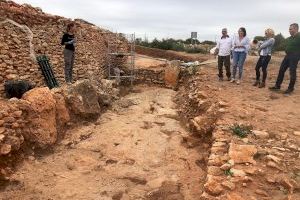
(241, 130)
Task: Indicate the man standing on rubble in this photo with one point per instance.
(69, 41)
(223, 51)
(291, 60)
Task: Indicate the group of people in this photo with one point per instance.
(238, 48)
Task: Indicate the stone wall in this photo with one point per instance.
(26, 32)
(11, 124)
(150, 76)
(168, 75)
(40, 117)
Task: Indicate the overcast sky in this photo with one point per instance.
(177, 18)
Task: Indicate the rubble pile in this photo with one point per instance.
(42, 115)
(251, 167)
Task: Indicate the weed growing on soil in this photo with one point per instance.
(241, 130)
(228, 172)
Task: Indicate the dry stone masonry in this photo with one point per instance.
(26, 32)
(236, 167)
(40, 117)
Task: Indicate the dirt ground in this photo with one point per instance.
(171, 55)
(264, 110)
(135, 151)
(146, 62)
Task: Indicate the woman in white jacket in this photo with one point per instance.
(241, 46)
(265, 51)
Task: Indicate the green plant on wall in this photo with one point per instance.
(228, 172)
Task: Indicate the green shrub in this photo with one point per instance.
(208, 42)
(259, 38)
(191, 41)
(228, 172)
(280, 43)
(172, 44)
(195, 50)
(241, 130)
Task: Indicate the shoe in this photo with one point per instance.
(232, 80)
(257, 83)
(262, 85)
(220, 78)
(288, 92)
(238, 82)
(228, 79)
(274, 88)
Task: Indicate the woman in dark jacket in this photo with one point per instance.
(69, 41)
(265, 51)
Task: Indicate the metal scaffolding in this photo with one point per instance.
(121, 60)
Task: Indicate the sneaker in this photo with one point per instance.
(288, 92)
(232, 80)
(262, 85)
(257, 83)
(274, 88)
(238, 82)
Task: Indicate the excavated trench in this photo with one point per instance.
(143, 147)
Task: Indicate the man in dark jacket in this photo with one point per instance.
(69, 41)
(290, 61)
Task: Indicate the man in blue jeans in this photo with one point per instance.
(290, 61)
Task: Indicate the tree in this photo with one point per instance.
(280, 43)
(138, 41)
(259, 38)
(208, 42)
(189, 41)
(155, 43)
(169, 44)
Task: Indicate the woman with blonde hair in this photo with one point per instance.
(265, 51)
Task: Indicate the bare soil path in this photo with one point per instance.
(133, 151)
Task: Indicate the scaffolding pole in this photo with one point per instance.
(114, 52)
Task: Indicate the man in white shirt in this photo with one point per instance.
(223, 51)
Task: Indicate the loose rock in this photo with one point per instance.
(261, 134)
(242, 153)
